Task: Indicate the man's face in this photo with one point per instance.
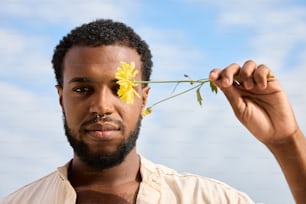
(90, 88)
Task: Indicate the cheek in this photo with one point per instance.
(133, 109)
(131, 114)
(74, 112)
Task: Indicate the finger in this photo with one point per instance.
(226, 76)
(246, 74)
(214, 74)
(224, 80)
(262, 75)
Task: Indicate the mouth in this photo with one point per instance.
(102, 131)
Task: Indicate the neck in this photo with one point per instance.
(83, 175)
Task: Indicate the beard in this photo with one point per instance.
(102, 160)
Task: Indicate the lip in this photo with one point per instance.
(102, 131)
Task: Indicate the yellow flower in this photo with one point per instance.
(125, 78)
(146, 111)
(126, 74)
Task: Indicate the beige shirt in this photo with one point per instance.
(160, 185)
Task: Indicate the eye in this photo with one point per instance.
(115, 88)
(82, 90)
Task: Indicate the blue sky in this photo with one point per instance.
(186, 37)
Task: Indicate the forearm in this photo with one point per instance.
(291, 156)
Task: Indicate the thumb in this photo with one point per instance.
(233, 95)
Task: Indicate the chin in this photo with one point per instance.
(110, 156)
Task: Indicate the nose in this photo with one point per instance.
(102, 102)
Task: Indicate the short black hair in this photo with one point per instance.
(102, 32)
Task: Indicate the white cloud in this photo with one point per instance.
(31, 134)
(26, 55)
(275, 27)
(24, 58)
(172, 53)
(69, 12)
(16, 43)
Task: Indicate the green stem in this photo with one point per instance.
(181, 93)
(173, 81)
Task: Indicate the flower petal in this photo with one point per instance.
(125, 75)
(146, 111)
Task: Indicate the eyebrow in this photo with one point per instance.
(86, 80)
(80, 80)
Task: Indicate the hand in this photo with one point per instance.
(258, 101)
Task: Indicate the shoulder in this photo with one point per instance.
(186, 186)
(40, 190)
(28, 190)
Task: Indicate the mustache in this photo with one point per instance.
(94, 120)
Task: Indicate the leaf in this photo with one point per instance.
(213, 87)
(199, 97)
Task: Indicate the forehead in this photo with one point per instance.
(82, 58)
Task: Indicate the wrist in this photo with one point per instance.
(289, 148)
(286, 140)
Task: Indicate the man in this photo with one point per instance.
(102, 129)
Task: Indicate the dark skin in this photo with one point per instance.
(119, 184)
(264, 109)
(259, 103)
(81, 100)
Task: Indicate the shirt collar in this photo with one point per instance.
(150, 186)
(63, 170)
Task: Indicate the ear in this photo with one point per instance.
(60, 95)
(145, 94)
